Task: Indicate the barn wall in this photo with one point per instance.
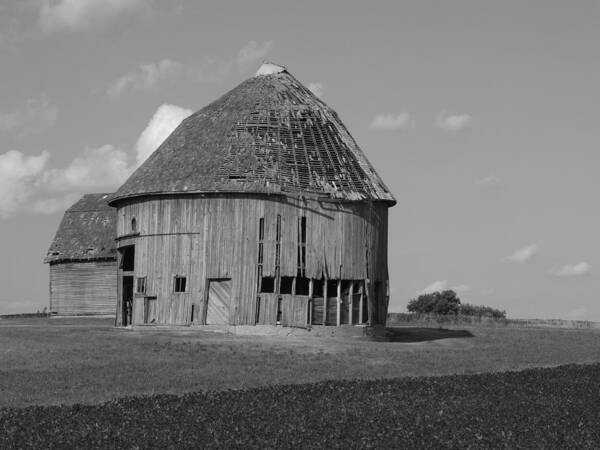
(79, 288)
(206, 238)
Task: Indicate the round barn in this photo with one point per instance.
(258, 209)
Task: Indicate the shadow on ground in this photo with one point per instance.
(413, 334)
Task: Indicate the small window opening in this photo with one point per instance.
(346, 287)
(332, 288)
(302, 286)
(318, 288)
(301, 246)
(128, 257)
(140, 285)
(267, 285)
(133, 225)
(180, 283)
(286, 285)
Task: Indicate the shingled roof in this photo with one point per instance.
(86, 232)
(270, 134)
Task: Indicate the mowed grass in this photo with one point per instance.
(66, 361)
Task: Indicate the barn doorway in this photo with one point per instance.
(125, 280)
(149, 309)
(127, 300)
(218, 301)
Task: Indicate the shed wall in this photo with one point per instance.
(81, 288)
(206, 238)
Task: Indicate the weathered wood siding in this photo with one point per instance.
(203, 237)
(79, 288)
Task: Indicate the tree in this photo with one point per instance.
(443, 303)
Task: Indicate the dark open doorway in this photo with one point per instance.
(127, 300)
(125, 280)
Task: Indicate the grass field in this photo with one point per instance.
(56, 361)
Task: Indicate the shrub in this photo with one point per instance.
(443, 303)
(467, 309)
(447, 303)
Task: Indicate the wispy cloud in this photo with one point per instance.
(317, 88)
(491, 180)
(53, 205)
(522, 255)
(146, 78)
(573, 270)
(461, 288)
(151, 76)
(390, 121)
(28, 183)
(254, 51)
(78, 15)
(578, 313)
(35, 116)
(454, 122)
(165, 120)
(441, 285)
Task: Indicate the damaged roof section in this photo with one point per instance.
(270, 135)
(86, 232)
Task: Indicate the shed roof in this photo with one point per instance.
(270, 135)
(87, 231)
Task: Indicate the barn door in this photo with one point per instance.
(219, 298)
(149, 309)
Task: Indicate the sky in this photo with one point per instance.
(482, 118)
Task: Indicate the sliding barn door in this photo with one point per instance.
(219, 298)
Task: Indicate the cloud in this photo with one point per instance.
(442, 285)
(36, 116)
(77, 15)
(317, 88)
(578, 313)
(165, 120)
(454, 122)
(522, 255)
(19, 175)
(438, 285)
(29, 184)
(254, 51)
(573, 270)
(147, 78)
(54, 205)
(150, 76)
(105, 166)
(491, 180)
(461, 288)
(390, 121)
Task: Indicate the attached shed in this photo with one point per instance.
(258, 209)
(83, 259)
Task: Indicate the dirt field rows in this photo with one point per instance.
(535, 408)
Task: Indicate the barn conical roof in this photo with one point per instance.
(270, 135)
(87, 232)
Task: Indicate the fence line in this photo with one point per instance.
(436, 319)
